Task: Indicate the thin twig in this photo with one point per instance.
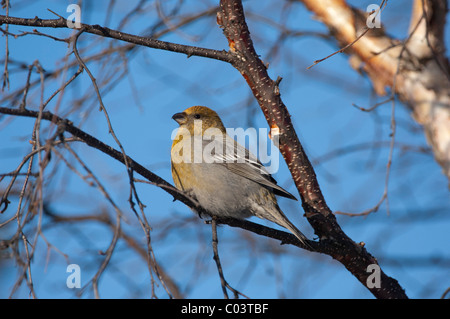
(225, 285)
(340, 50)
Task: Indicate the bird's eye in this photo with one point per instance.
(196, 116)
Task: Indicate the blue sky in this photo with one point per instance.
(411, 240)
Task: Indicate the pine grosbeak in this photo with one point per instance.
(222, 175)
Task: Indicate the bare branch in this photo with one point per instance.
(122, 36)
(417, 71)
(232, 19)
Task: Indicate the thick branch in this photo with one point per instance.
(416, 69)
(352, 255)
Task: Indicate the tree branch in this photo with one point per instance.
(66, 125)
(338, 245)
(122, 36)
(416, 69)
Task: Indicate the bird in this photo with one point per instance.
(224, 177)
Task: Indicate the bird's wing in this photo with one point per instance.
(242, 162)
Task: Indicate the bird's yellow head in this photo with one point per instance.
(195, 115)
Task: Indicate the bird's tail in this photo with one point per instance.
(282, 220)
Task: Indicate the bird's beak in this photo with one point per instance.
(180, 118)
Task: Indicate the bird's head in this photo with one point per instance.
(198, 117)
